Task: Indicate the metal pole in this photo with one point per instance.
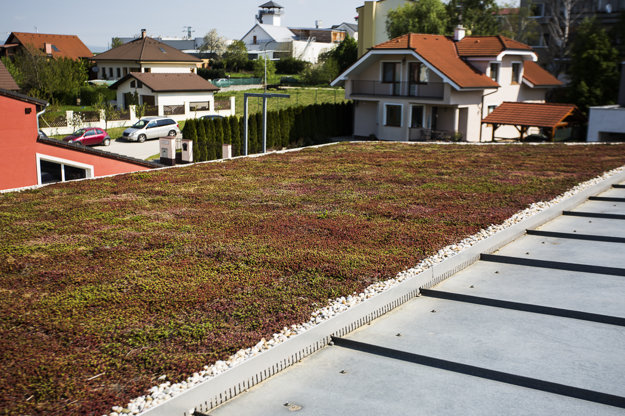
(245, 116)
(264, 124)
(266, 68)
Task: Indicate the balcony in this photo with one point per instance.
(431, 90)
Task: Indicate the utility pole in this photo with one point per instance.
(246, 115)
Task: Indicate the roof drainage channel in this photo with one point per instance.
(619, 185)
(524, 307)
(574, 267)
(593, 215)
(606, 199)
(574, 236)
(485, 373)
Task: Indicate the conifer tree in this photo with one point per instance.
(189, 132)
(210, 132)
(202, 140)
(236, 136)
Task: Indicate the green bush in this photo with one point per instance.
(89, 94)
(290, 66)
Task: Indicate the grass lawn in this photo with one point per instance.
(131, 277)
(299, 96)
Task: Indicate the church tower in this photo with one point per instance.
(270, 13)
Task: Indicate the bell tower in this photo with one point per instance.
(270, 13)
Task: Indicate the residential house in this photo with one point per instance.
(171, 93)
(351, 29)
(32, 160)
(144, 54)
(269, 38)
(607, 12)
(417, 86)
(372, 22)
(55, 46)
(607, 123)
(6, 80)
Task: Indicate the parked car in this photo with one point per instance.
(89, 136)
(212, 116)
(151, 128)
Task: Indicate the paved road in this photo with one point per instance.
(536, 329)
(132, 149)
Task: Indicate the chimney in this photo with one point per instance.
(143, 33)
(48, 49)
(621, 90)
(459, 33)
(318, 24)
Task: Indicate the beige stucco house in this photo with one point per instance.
(144, 55)
(418, 87)
(372, 17)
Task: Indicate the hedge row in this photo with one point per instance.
(291, 127)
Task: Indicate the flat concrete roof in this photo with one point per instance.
(390, 367)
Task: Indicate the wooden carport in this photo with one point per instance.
(549, 116)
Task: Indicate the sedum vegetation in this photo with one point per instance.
(108, 284)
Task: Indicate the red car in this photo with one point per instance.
(89, 136)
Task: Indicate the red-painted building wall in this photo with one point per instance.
(19, 148)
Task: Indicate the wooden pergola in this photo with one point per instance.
(549, 116)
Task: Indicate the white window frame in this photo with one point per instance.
(490, 108)
(90, 171)
(401, 114)
(520, 79)
(423, 118)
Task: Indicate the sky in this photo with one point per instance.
(95, 23)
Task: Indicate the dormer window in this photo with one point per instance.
(516, 73)
(494, 71)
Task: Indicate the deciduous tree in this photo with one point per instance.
(479, 17)
(213, 43)
(235, 56)
(422, 16)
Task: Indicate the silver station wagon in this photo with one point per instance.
(151, 128)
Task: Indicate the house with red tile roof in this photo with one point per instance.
(144, 54)
(420, 87)
(32, 159)
(6, 80)
(54, 46)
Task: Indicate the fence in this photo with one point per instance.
(222, 82)
(54, 125)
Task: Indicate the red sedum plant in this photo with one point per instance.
(108, 284)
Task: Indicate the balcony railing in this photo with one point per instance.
(434, 90)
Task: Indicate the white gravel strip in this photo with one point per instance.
(167, 390)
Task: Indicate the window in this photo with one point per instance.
(110, 72)
(416, 116)
(133, 84)
(516, 73)
(51, 170)
(55, 49)
(119, 72)
(537, 10)
(491, 108)
(147, 70)
(139, 84)
(199, 106)
(389, 72)
(125, 71)
(494, 71)
(418, 73)
(255, 40)
(104, 73)
(392, 115)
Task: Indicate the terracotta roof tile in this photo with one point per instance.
(167, 82)
(146, 49)
(538, 76)
(488, 45)
(440, 52)
(6, 80)
(530, 114)
(61, 46)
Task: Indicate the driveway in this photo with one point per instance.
(133, 149)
